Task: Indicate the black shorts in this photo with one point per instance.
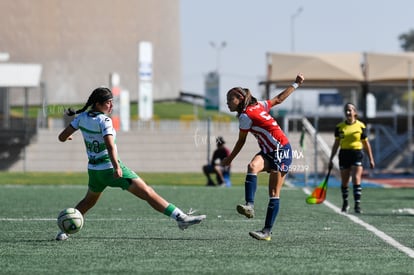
(348, 158)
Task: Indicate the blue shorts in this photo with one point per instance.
(279, 160)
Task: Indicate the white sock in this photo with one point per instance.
(174, 212)
(177, 213)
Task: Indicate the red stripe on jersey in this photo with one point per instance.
(256, 119)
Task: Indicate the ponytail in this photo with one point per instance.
(99, 95)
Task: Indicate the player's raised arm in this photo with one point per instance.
(286, 92)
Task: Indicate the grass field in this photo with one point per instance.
(81, 178)
(123, 235)
(162, 110)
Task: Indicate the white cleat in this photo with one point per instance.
(62, 236)
(184, 223)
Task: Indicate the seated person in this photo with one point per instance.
(215, 166)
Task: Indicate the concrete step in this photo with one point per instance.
(154, 150)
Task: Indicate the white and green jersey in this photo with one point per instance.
(94, 126)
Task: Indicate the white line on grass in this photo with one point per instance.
(404, 210)
(89, 219)
(388, 239)
(26, 219)
(5, 219)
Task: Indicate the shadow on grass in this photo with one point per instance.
(111, 238)
(154, 238)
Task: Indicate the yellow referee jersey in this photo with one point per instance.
(350, 135)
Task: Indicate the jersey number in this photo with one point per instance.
(266, 116)
(93, 146)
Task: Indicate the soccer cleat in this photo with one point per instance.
(185, 222)
(345, 207)
(246, 210)
(222, 184)
(357, 209)
(210, 183)
(261, 235)
(61, 236)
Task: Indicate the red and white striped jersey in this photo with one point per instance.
(257, 120)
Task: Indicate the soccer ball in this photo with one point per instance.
(70, 220)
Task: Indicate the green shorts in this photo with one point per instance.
(100, 179)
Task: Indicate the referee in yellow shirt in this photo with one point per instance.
(351, 137)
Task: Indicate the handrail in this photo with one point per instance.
(326, 150)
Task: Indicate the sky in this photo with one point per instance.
(250, 29)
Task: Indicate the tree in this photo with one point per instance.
(407, 41)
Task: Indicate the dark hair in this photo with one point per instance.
(245, 97)
(99, 95)
(220, 141)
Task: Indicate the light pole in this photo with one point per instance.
(292, 49)
(213, 90)
(292, 27)
(410, 112)
(218, 49)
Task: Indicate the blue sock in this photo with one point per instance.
(272, 210)
(250, 187)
